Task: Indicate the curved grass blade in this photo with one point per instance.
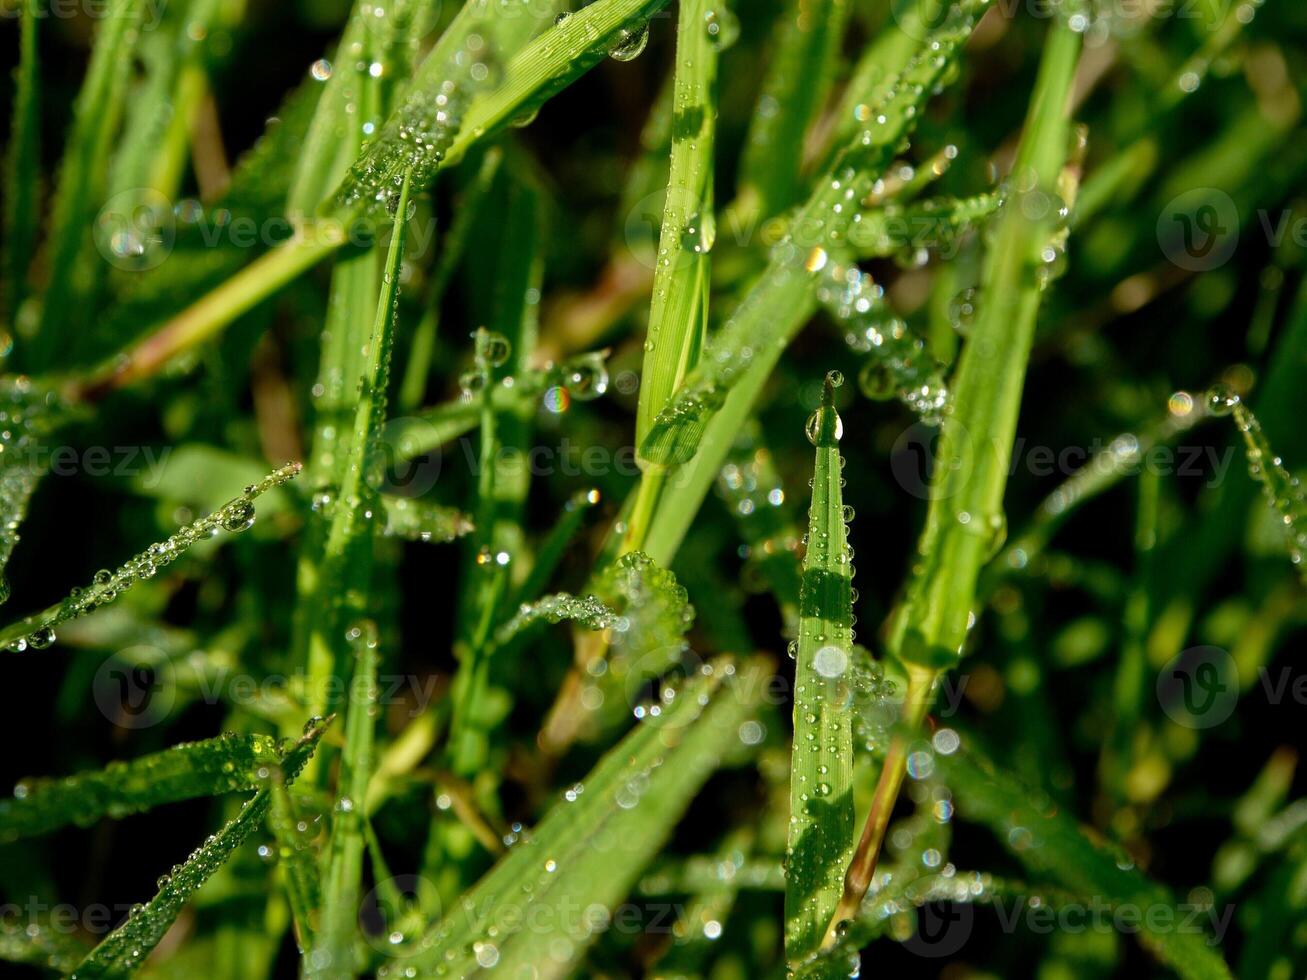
(647, 640)
(124, 950)
(1050, 843)
(83, 173)
(38, 631)
(22, 162)
(210, 768)
(1281, 488)
(782, 298)
(821, 762)
(591, 847)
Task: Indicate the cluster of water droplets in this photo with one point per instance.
(588, 611)
(236, 515)
(1282, 489)
(897, 364)
(421, 130)
(581, 378)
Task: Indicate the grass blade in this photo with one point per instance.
(38, 631)
(590, 849)
(213, 767)
(798, 82)
(22, 188)
(1058, 848)
(782, 298)
(677, 316)
(964, 524)
(821, 762)
(34, 413)
(124, 950)
(1281, 488)
(333, 581)
(332, 954)
(439, 118)
(83, 173)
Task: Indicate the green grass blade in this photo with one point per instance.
(965, 521)
(677, 316)
(590, 849)
(210, 768)
(587, 611)
(964, 524)
(782, 298)
(333, 581)
(34, 413)
(123, 951)
(332, 954)
(298, 859)
(83, 174)
(797, 85)
(423, 520)
(38, 631)
(22, 176)
(1050, 844)
(821, 762)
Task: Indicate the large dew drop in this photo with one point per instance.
(630, 43)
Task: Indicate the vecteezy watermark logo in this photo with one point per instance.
(943, 928)
(643, 226)
(1199, 687)
(1199, 230)
(397, 912)
(134, 688)
(916, 454)
(407, 458)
